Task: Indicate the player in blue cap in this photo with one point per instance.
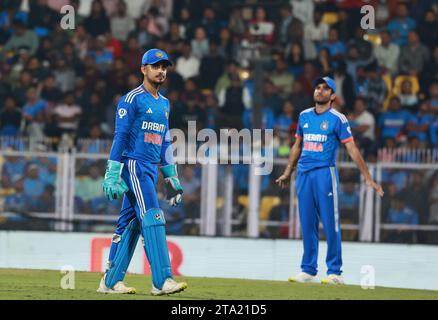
(142, 143)
(319, 132)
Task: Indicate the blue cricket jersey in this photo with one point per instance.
(321, 135)
(142, 128)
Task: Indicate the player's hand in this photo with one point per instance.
(283, 181)
(375, 186)
(113, 186)
(174, 189)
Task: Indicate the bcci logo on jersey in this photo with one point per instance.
(324, 125)
(122, 112)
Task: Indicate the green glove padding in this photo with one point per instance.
(173, 186)
(114, 186)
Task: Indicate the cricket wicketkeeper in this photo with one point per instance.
(142, 143)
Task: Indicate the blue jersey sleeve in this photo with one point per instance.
(125, 115)
(299, 132)
(343, 131)
(166, 147)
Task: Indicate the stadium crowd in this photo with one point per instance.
(64, 84)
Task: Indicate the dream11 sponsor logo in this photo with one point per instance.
(232, 147)
(100, 244)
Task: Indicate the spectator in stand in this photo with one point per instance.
(427, 29)
(290, 28)
(97, 23)
(299, 98)
(21, 38)
(271, 98)
(309, 75)
(324, 63)
(226, 46)
(14, 168)
(362, 124)
(132, 54)
(49, 91)
(200, 43)
(335, 47)
(433, 200)
(89, 189)
(344, 26)
(187, 23)
(430, 72)
(364, 47)
(419, 124)
(376, 90)
(416, 195)
(67, 115)
(224, 81)
(285, 121)
(387, 54)
(192, 100)
(231, 104)
(80, 40)
(121, 23)
(392, 123)
(191, 92)
(294, 56)
(158, 25)
(46, 202)
(345, 86)
(210, 23)
(433, 94)
(281, 78)
(42, 18)
(64, 75)
(400, 26)
(433, 130)
(414, 56)
(101, 55)
(361, 83)
(141, 33)
(408, 98)
(262, 24)
(211, 68)
(315, 33)
(33, 184)
(93, 113)
(399, 213)
(187, 65)
(349, 203)
(35, 114)
(192, 186)
(267, 118)
(353, 62)
(10, 118)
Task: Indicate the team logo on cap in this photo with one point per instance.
(159, 54)
(324, 125)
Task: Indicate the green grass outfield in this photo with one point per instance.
(45, 284)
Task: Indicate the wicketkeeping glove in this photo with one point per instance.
(113, 186)
(173, 186)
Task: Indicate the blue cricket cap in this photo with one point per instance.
(329, 81)
(155, 55)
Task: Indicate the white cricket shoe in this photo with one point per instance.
(170, 286)
(303, 277)
(119, 287)
(333, 279)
